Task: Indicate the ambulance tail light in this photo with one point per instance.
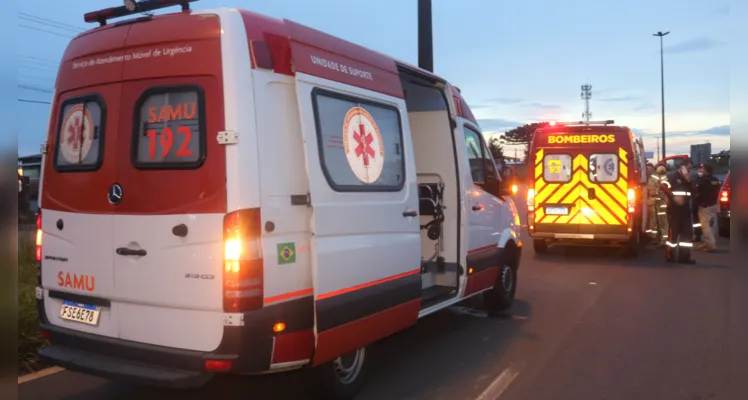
(38, 247)
(631, 197)
(243, 287)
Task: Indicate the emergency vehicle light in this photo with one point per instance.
(606, 122)
(132, 7)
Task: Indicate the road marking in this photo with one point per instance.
(499, 385)
(39, 374)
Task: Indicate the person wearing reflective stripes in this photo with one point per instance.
(677, 189)
(653, 187)
(661, 207)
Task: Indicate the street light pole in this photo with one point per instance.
(662, 87)
(425, 36)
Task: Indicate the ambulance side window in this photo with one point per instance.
(169, 129)
(557, 168)
(360, 143)
(475, 156)
(80, 134)
(603, 168)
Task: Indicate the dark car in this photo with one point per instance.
(723, 215)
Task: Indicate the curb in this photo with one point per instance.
(39, 374)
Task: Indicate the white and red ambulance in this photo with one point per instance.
(224, 192)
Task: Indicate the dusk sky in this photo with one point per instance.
(516, 62)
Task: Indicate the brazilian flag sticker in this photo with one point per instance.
(286, 253)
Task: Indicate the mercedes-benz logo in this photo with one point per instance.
(115, 194)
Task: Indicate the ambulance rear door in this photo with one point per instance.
(604, 172)
(363, 192)
(557, 182)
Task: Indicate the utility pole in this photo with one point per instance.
(662, 87)
(425, 36)
(586, 96)
(659, 156)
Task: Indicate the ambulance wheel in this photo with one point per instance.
(340, 379)
(501, 297)
(540, 246)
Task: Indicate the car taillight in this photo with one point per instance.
(724, 196)
(242, 273)
(631, 197)
(38, 249)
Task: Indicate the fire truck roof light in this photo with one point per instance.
(606, 122)
(131, 7)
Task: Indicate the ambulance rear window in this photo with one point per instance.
(557, 168)
(603, 168)
(80, 135)
(169, 129)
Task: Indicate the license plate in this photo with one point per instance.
(79, 312)
(556, 211)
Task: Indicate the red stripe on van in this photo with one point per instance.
(365, 285)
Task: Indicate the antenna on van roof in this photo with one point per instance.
(131, 7)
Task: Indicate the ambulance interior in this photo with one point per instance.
(436, 169)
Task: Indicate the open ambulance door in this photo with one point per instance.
(365, 245)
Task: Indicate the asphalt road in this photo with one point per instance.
(586, 325)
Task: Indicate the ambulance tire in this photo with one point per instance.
(501, 297)
(340, 379)
(540, 246)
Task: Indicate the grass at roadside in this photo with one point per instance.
(30, 339)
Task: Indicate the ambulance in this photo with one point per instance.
(586, 186)
(228, 193)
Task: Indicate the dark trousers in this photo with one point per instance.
(679, 243)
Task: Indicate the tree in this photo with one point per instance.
(522, 135)
(494, 145)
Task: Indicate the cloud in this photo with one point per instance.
(693, 45)
(498, 124)
(505, 100)
(542, 106)
(644, 107)
(621, 98)
(719, 131)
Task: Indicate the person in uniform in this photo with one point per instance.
(661, 206)
(653, 187)
(708, 187)
(677, 188)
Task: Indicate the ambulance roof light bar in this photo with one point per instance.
(133, 7)
(557, 123)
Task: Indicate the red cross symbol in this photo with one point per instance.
(75, 133)
(364, 141)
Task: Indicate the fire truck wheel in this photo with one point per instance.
(540, 246)
(631, 248)
(501, 297)
(340, 379)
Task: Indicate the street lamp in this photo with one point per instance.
(662, 83)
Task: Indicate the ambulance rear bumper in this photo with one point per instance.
(580, 236)
(249, 348)
(122, 369)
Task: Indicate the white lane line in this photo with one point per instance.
(39, 374)
(499, 385)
